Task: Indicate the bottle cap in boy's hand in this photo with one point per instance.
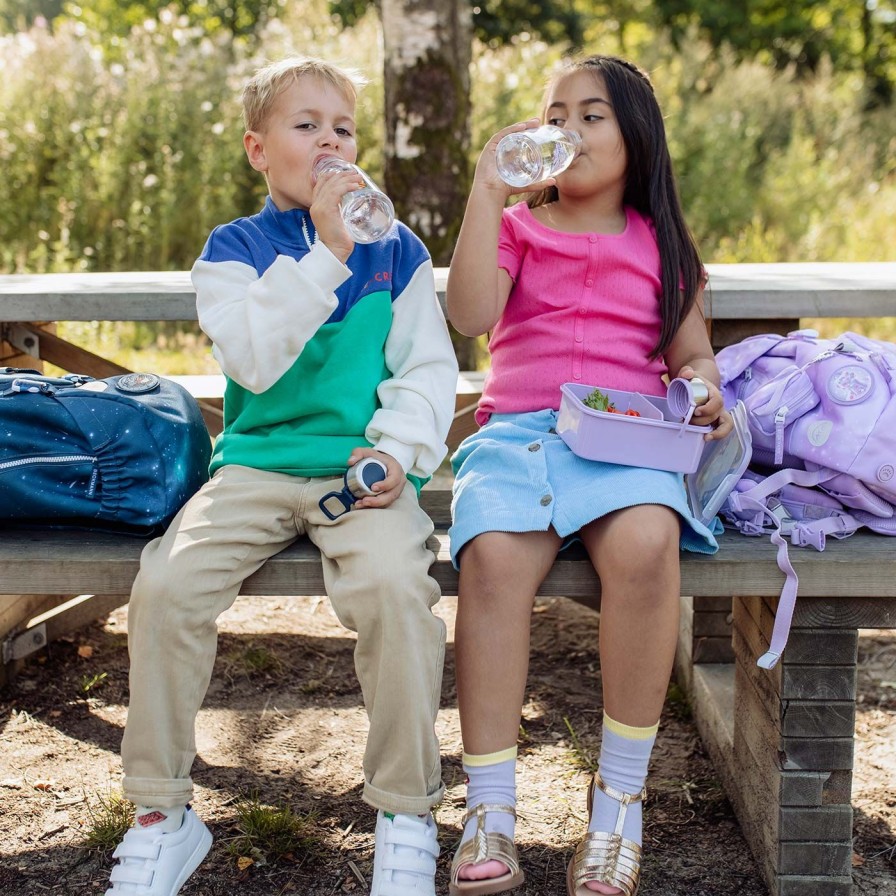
(359, 480)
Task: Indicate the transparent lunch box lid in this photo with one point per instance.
(721, 466)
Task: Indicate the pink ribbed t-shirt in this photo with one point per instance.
(584, 308)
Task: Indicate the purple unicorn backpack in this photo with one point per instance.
(822, 417)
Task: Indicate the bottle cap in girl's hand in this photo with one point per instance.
(684, 396)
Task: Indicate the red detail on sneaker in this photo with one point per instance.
(151, 818)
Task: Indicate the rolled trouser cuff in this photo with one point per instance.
(158, 793)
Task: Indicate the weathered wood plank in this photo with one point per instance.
(829, 788)
(67, 562)
(750, 642)
(749, 780)
(765, 712)
(818, 682)
(818, 718)
(736, 292)
(807, 858)
(727, 332)
(712, 650)
(859, 612)
(831, 824)
(806, 646)
(14, 608)
(752, 756)
(822, 647)
(814, 715)
(814, 885)
(712, 624)
(713, 604)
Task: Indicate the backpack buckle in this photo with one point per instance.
(785, 521)
(807, 536)
(35, 386)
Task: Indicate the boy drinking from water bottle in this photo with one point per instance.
(333, 352)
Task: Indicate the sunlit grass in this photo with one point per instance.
(584, 756)
(883, 328)
(268, 833)
(109, 819)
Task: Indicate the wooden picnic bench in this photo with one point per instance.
(782, 740)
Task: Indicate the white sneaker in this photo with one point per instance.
(404, 860)
(155, 864)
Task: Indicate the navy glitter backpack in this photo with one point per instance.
(123, 453)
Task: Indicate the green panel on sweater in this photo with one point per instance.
(309, 421)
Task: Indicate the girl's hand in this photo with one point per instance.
(326, 215)
(388, 489)
(712, 412)
(486, 174)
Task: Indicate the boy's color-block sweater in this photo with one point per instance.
(323, 357)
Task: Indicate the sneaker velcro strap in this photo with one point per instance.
(415, 865)
(407, 837)
(131, 874)
(138, 848)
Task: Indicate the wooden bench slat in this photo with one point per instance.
(59, 561)
(770, 291)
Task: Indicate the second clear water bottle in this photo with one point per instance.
(368, 212)
(527, 157)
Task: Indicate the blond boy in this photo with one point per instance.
(332, 352)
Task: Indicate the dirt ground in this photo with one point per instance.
(283, 720)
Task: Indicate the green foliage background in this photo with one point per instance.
(122, 149)
(121, 146)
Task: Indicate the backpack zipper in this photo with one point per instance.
(56, 459)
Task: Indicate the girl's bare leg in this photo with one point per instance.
(499, 576)
(635, 552)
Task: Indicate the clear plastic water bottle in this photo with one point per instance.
(527, 157)
(368, 212)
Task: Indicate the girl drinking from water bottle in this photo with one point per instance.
(594, 279)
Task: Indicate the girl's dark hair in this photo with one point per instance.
(650, 184)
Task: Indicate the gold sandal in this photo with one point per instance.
(485, 846)
(606, 858)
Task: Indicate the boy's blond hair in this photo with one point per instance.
(268, 82)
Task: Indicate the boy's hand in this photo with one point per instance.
(388, 489)
(331, 186)
(712, 412)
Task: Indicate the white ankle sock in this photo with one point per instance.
(164, 820)
(624, 757)
(491, 779)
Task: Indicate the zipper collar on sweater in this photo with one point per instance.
(292, 227)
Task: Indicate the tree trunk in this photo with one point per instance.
(426, 78)
(427, 100)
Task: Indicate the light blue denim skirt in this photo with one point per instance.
(517, 475)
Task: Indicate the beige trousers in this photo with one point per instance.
(376, 571)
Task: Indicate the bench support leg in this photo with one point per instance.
(783, 744)
(44, 618)
(704, 636)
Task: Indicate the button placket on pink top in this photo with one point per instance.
(585, 302)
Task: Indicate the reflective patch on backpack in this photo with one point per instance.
(819, 432)
(137, 383)
(850, 384)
